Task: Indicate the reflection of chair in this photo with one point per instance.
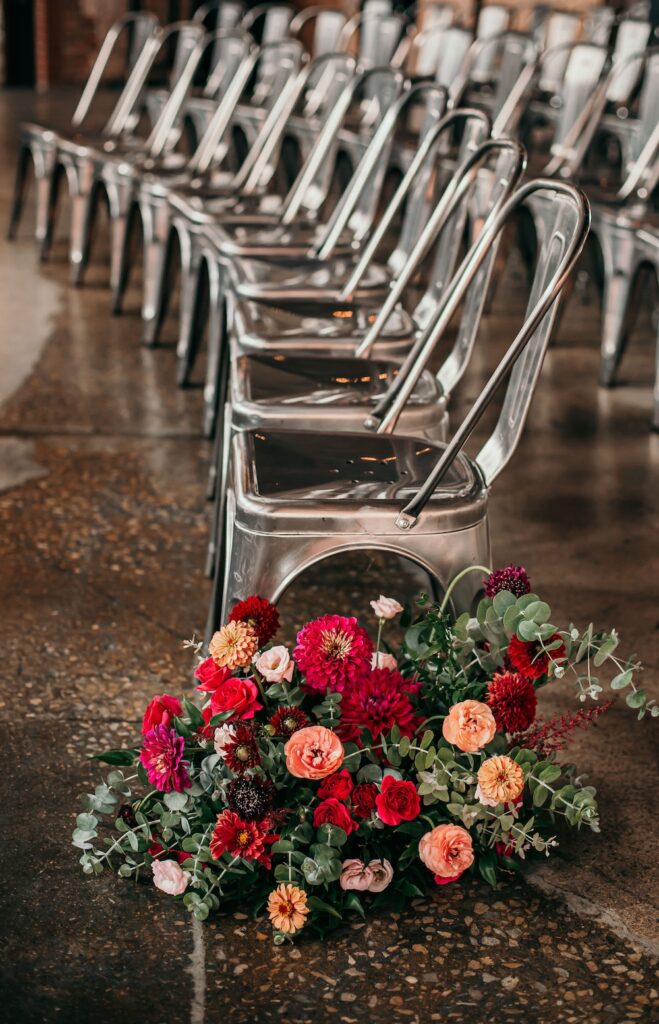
(296, 497)
(40, 144)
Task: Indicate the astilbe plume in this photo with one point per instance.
(549, 737)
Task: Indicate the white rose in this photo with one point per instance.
(275, 665)
(383, 660)
(170, 877)
(222, 736)
(386, 607)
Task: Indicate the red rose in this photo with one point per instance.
(237, 695)
(161, 711)
(211, 675)
(206, 730)
(338, 785)
(333, 812)
(363, 799)
(397, 801)
(442, 880)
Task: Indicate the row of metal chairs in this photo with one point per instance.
(332, 434)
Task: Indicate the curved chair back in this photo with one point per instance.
(455, 47)
(557, 34)
(493, 22)
(310, 188)
(142, 29)
(230, 48)
(219, 14)
(512, 55)
(321, 25)
(598, 25)
(379, 33)
(631, 38)
(268, 22)
(566, 226)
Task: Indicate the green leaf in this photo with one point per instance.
(175, 801)
(182, 728)
(528, 631)
(194, 714)
(331, 835)
(636, 699)
(353, 902)
(503, 601)
(537, 611)
(282, 846)
(317, 904)
(117, 757)
(622, 680)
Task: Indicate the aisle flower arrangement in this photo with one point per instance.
(344, 775)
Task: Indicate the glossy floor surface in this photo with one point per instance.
(103, 526)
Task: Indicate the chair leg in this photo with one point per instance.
(619, 268)
(192, 314)
(155, 226)
(45, 196)
(83, 206)
(121, 229)
(18, 199)
(217, 341)
(655, 399)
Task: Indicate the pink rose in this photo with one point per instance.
(275, 665)
(382, 660)
(222, 737)
(237, 695)
(469, 725)
(447, 851)
(382, 872)
(355, 875)
(386, 607)
(170, 877)
(161, 711)
(210, 675)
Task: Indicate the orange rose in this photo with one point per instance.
(500, 780)
(447, 851)
(469, 725)
(313, 753)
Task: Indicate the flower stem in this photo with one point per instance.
(456, 579)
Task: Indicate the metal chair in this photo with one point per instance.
(39, 144)
(297, 497)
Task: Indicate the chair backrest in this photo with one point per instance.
(321, 25)
(560, 30)
(493, 21)
(418, 190)
(565, 228)
(515, 57)
(270, 20)
(427, 44)
(632, 38)
(598, 25)
(230, 47)
(217, 14)
(357, 207)
(455, 47)
(502, 163)
(141, 29)
(585, 66)
(310, 188)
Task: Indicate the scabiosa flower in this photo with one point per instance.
(377, 701)
(250, 798)
(530, 659)
(239, 838)
(288, 720)
(332, 651)
(234, 645)
(241, 751)
(513, 578)
(162, 756)
(287, 908)
(513, 701)
(258, 613)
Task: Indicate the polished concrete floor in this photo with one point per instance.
(102, 531)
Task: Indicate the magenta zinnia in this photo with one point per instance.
(162, 757)
(333, 651)
(377, 702)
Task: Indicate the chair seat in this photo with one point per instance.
(315, 481)
(315, 325)
(240, 238)
(305, 281)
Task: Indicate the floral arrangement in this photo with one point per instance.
(343, 776)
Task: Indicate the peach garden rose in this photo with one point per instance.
(469, 725)
(313, 753)
(447, 850)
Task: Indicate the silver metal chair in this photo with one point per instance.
(313, 391)
(39, 144)
(297, 497)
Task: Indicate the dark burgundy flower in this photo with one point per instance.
(377, 701)
(513, 701)
(338, 785)
(333, 812)
(262, 616)
(363, 799)
(250, 798)
(288, 720)
(513, 578)
(241, 751)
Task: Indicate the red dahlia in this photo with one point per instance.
(262, 616)
(513, 701)
(332, 651)
(530, 659)
(288, 720)
(248, 839)
(377, 701)
(241, 751)
(513, 578)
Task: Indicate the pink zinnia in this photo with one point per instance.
(162, 756)
(377, 702)
(332, 651)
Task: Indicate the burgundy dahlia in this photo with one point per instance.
(250, 798)
(530, 659)
(162, 756)
(377, 701)
(288, 720)
(262, 616)
(513, 578)
(332, 652)
(513, 701)
(241, 751)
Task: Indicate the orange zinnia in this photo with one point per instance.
(500, 779)
(234, 645)
(287, 907)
